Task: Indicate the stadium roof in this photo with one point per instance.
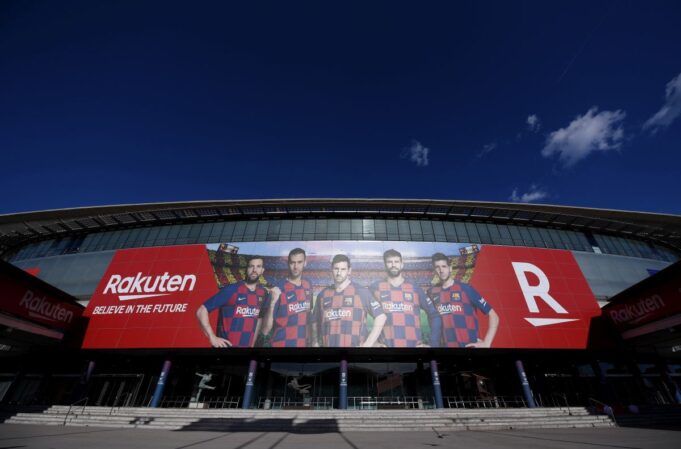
(19, 228)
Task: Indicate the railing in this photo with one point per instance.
(385, 402)
(565, 399)
(608, 410)
(491, 402)
(212, 402)
(311, 403)
(559, 400)
(84, 400)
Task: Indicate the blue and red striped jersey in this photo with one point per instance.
(292, 314)
(342, 316)
(456, 306)
(402, 305)
(240, 310)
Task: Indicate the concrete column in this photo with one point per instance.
(161, 384)
(343, 395)
(250, 382)
(527, 392)
(437, 390)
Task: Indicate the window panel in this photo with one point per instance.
(536, 237)
(515, 235)
(380, 229)
(461, 233)
(439, 231)
(368, 229)
(415, 230)
(261, 230)
(403, 229)
(285, 230)
(345, 227)
(249, 231)
(297, 229)
(427, 229)
(321, 229)
(239, 229)
(393, 234)
(309, 226)
(273, 230)
(450, 232)
(546, 237)
(333, 228)
(206, 231)
(484, 232)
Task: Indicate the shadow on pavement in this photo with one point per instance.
(262, 425)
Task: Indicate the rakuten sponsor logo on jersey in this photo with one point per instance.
(141, 287)
(246, 312)
(446, 309)
(298, 307)
(337, 314)
(397, 307)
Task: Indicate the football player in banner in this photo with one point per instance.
(402, 302)
(340, 311)
(291, 306)
(456, 304)
(241, 306)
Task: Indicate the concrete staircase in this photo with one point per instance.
(652, 417)
(313, 421)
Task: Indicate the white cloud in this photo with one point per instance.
(593, 131)
(534, 194)
(487, 148)
(417, 153)
(671, 109)
(533, 123)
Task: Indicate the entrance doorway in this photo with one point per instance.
(115, 390)
(389, 386)
(301, 386)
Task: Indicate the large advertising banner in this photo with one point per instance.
(341, 294)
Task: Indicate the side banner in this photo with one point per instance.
(341, 294)
(36, 305)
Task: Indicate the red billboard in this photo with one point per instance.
(341, 294)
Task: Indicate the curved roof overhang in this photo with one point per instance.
(20, 228)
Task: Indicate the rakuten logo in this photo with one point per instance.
(298, 307)
(445, 309)
(337, 314)
(247, 312)
(633, 313)
(398, 307)
(40, 307)
(140, 287)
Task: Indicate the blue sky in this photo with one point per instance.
(566, 102)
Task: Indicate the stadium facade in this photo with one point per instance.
(390, 303)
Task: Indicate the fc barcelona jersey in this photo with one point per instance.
(342, 315)
(402, 306)
(456, 306)
(240, 310)
(292, 314)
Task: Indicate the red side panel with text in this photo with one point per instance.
(148, 299)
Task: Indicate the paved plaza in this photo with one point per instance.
(54, 437)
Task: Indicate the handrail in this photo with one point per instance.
(76, 403)
(564, 396)
(606, 408)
